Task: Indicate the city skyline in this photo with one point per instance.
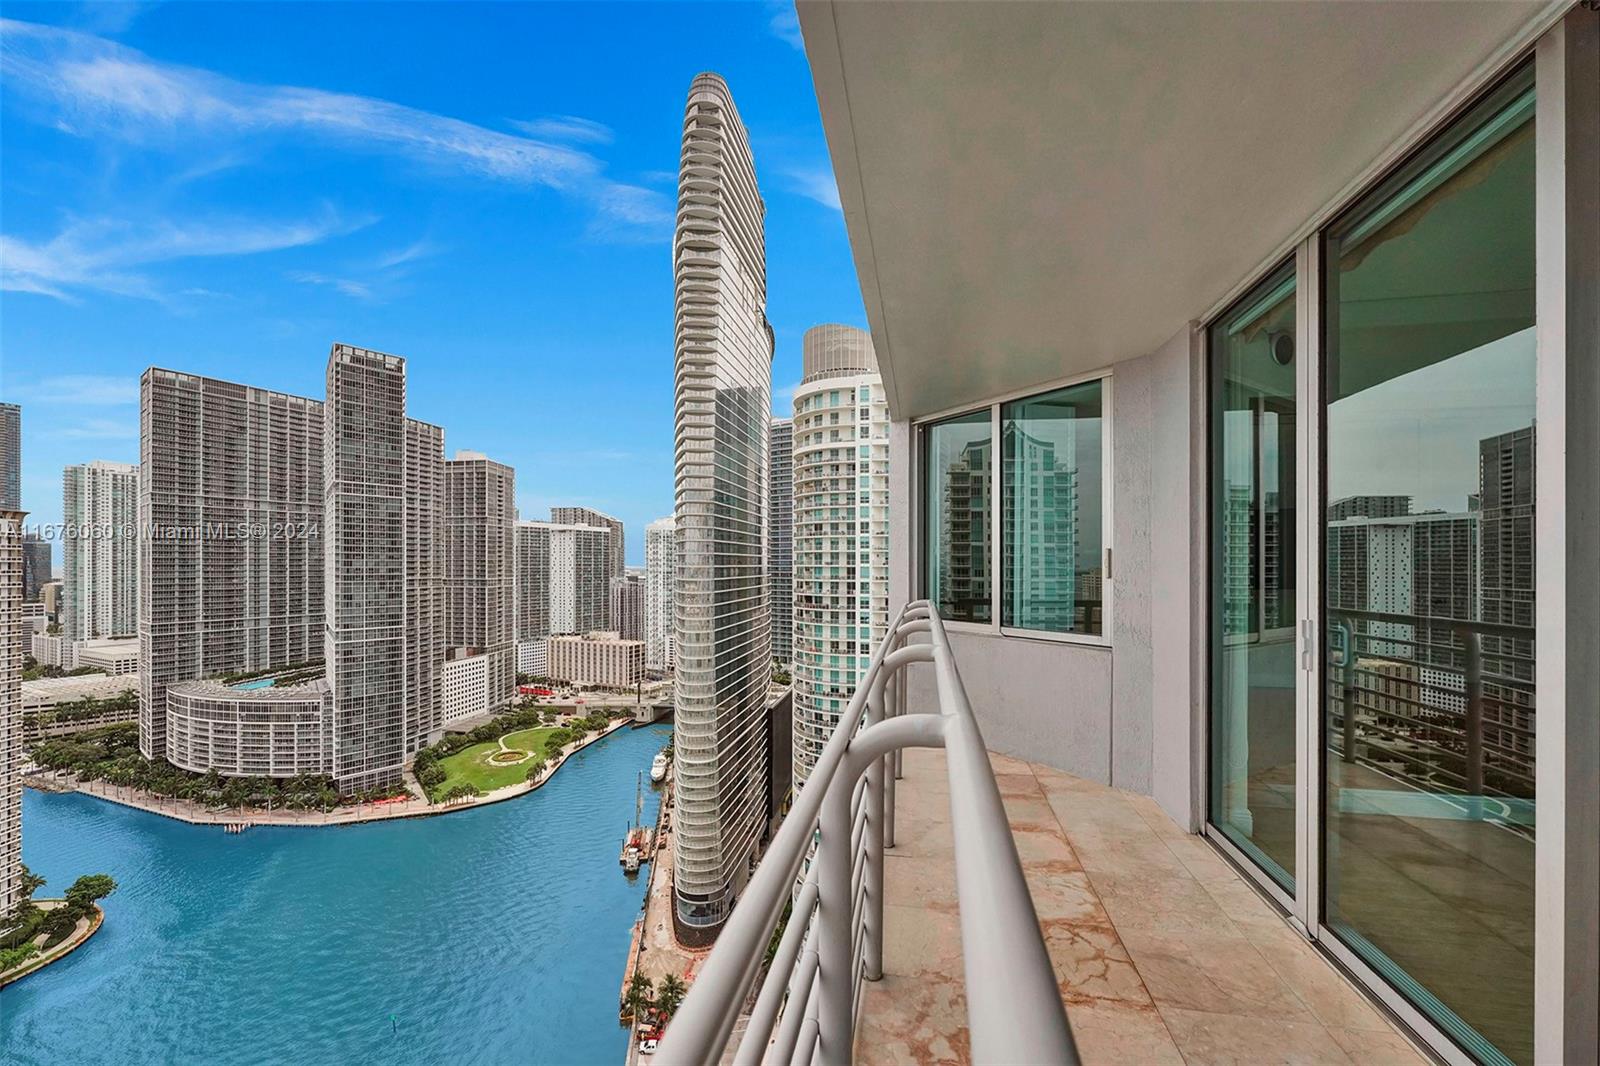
(303, 232)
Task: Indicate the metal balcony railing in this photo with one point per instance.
(803, 1006)
(1444, 704)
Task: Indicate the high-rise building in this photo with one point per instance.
(480, 519)
(723, 369)
(780, 536)
(660, 579)
(424, 585)
(11, 637)
(616, 544)
(627, 606)
(1506, 590)
(964, 569)
(563, 585)
(841, 530)
(37, 567)
(383, 491)
(217, 457)
(100, 551)
(1369, 507)
(10, 457)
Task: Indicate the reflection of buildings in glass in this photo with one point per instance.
(1443, 570)
(1238, 560)
(1041, 532)
(964, 565)
(1506, 589)
(1369, 507)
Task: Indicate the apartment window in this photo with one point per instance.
(1045, 527)
(1050, 515)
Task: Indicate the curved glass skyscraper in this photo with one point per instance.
(722, 403)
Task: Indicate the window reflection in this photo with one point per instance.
(1429, 578)
(1052, 507)
(958, 471)
(1253, 559)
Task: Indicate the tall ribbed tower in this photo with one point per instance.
(723, 392)
(841, 521)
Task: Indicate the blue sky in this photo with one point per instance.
(486, 189)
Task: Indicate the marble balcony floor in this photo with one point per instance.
(1163, 953)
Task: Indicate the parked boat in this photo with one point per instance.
(636, 844)
(658, 766)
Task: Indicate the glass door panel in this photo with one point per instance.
(1253, 565)
(1428, 595)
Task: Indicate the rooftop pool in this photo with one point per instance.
(260, 682)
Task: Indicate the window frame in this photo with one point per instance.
(1106, 378)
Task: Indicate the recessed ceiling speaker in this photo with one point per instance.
(1281, 345)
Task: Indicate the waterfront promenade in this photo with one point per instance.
(383, 810)
(87, 927)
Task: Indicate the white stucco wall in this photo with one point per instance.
(1123, 715)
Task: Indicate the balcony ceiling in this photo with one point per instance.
(1038, 190)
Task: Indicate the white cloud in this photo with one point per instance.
(93, 87)
(814, 183)
(106, 254)
(631, 212)
(360, 290)
(785, 24)
(567, 128)
(421, 248)
(99, 390)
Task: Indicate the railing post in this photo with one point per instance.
(876, 801)
(1474, 683)
(835, 994)
(894, 772)
(1349, 695)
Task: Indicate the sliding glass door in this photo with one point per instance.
(1428, 593)
(1371, 669)
(1254, 559)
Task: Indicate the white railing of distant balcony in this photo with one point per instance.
(803, 1006)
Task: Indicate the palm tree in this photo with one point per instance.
(670, 994)
(639, 994)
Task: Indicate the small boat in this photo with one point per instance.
(658, 766)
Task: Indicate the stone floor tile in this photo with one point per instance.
(1119, 1034)
(1092, 965)
(1370, 1048)
(1211, 973)
(1208, 1039)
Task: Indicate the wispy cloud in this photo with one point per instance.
(96, 390)
(814, 183)
(94, 87)
(566, 128)
(360, 290)
(785, 23)
(421, 248)
(107, 255)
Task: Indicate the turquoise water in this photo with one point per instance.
(490, 936)
(260, 682)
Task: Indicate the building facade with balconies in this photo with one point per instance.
(1145, 362)
(723, 348)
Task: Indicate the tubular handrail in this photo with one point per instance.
(804, 1006)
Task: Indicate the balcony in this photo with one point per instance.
(1093, 930)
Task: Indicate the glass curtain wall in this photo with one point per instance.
(1252, 480)
(1428, 714)
(958, 475)
(1051, 496)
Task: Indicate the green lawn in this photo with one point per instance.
(472, 766)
